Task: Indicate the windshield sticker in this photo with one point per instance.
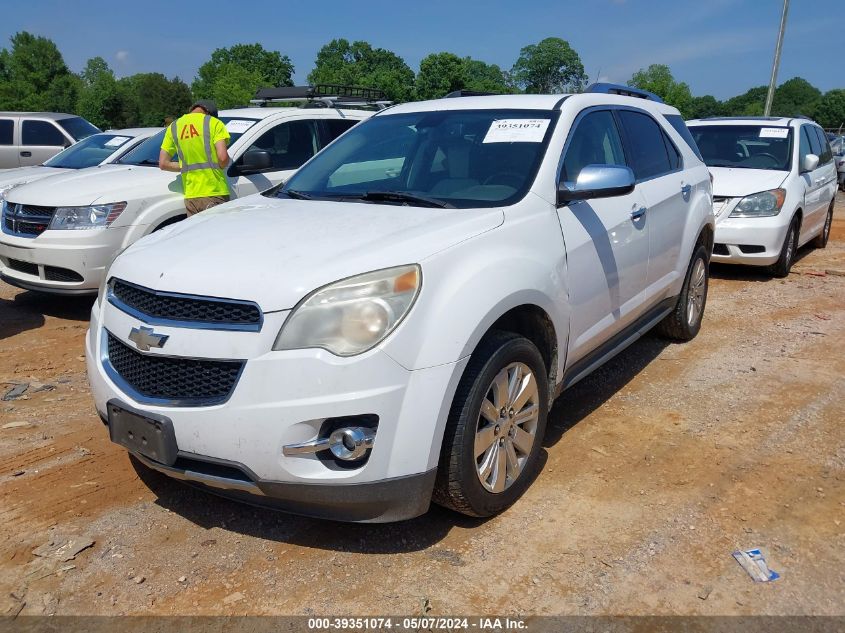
(117, 141)
(239, 126)
(517, 131)
(774, 132)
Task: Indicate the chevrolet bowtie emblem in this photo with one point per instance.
(145, 338)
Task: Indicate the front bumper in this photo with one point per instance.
(283, 398)
(749, 241)
(60, 262)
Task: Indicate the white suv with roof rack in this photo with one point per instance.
(774, 184)
(398, 318)
(60, 236)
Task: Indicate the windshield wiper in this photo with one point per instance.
(296, 195)
(145, 162)
(401, 196)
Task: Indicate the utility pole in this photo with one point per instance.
(776, 64)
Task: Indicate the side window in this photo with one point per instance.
(672, 152)
(677, 122)
(7, 131)
(815, 144)
(595, 141)
(826, 154)
(804, 146)
(336, 127)
(289, 144)
(644, 138)
(41, 133)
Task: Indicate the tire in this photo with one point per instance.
(820, 241)
(475, 484)
(684, 322)
(782, 266)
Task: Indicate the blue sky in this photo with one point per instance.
(719, 47)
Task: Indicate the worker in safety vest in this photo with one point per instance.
(199, 139)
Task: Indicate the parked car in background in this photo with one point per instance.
(837, 146)
(30, 138)
(395, 322)
(98, 149)
(774, 181)
(59, 235)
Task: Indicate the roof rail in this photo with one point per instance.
(468, 93)
(625, 91)
(323, 95)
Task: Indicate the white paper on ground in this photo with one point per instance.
(117, 141)
(517, 131)
(239, 126)
(774, 132)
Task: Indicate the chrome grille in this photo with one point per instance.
(170, 380)
(26, 220)
(153, 306)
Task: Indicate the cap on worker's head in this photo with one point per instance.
(206, 104)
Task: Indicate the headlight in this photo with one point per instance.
(353, 315)
(96, 216)
(760, 205)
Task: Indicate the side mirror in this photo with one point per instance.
(597, 181)
(255, 160)
(810, 162)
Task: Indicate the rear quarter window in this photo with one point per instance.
(677, 122)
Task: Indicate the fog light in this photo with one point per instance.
(350, 444)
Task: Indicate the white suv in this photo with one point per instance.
(394, 323)
(59, 236)
(774, 182)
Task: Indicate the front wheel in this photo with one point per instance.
(684, 322)
(492, 442)
(821, 239)
(783, 265)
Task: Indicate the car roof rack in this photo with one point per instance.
(625, 91)
(323, 96)
(468, 93)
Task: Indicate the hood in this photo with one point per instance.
(101, 184)
(730, 182)
(274, 252)
(23, 175)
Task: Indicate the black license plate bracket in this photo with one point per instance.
(148, 434)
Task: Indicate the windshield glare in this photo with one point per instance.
(147, 152)
(461, 158)
(88, 152)
(745, 146)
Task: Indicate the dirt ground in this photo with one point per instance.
(658, 467)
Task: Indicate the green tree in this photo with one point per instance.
(658, 79)
(551, 66)
(234, 85)
(32, 74)
(149, 98)
(750, 103)
(795, 96)
(359, 64)
(830, 111)
(701, 107)
(100, 100)
(262, 67)
(442, 73)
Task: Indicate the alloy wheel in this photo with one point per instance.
(697, 289)
(507, 427)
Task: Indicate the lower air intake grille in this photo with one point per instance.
(172, 380)
(720, 249)
(23, 267)
(54, 273)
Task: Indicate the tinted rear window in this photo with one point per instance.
(677, 122)
(7, 131)
(645, 142)
(41, 133)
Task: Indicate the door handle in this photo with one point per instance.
(636, 214)
(26, 154)
(819, 181)
(685, 189)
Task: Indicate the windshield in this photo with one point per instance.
(89, 152)
(78, 127)
(744, 146)
(456, 158)
(147, 152)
